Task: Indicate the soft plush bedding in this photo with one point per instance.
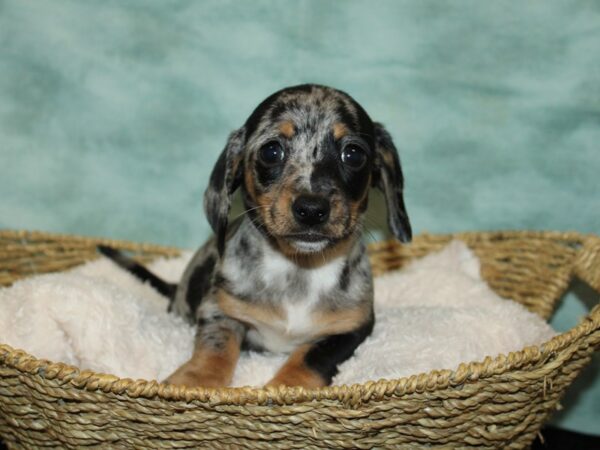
(434, 314)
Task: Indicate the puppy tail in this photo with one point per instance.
(163, 287)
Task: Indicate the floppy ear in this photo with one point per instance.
(388, 177)
(225, 178)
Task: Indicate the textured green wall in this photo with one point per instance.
(113, 112)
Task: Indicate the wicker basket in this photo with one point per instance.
(500, 402)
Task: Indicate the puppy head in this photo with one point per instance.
(306, 158)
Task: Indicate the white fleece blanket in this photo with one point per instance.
(434, 314)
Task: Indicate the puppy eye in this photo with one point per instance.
(354, 156)
(271, 153)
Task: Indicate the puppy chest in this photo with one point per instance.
(301, 325)
(282, 324)
(283, 302)
(295, 326)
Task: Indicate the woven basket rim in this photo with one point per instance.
(355, 393)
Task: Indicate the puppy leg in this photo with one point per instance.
(314, 365)
(295, 372)
(215, 356)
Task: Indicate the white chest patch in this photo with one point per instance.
(298, 326)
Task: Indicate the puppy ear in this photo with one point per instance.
(225, 178)
(388, 178)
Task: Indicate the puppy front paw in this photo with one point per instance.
(297, 376)
(194, 378)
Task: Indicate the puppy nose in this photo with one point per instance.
(311, 209)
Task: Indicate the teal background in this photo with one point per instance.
(113, 112)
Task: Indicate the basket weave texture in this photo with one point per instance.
(499, 402)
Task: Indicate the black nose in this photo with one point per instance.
(311, 209)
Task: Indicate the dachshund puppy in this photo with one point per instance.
(292, 275)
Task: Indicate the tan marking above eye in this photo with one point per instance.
(287, 129)
(339, 130)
